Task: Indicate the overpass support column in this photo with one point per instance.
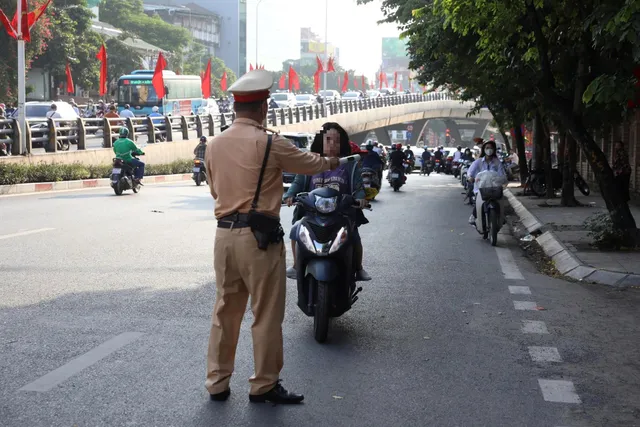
(419, 126)
(383, 136)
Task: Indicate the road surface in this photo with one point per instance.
(106, 306)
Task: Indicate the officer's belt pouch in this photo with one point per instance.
(266, 229)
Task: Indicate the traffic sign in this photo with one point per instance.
(408, 135)
(409, 128)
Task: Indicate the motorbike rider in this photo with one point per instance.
(488, 161)
(123, 147)
(467, 155)
(426, 158)
(332, 141)
(457, 155)
(438, 153)
(396, 160)
(372, 160)
(201, 148)
(409, 153)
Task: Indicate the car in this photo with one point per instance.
(284, 99)
(210, 106)
(330, 95)
(37, 111)
(352, 96)
(305, 100)
(374, 94)
(387, 91)
(301, 140)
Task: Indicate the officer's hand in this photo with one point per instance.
(289, 201)
(362, 203)
(334, 162)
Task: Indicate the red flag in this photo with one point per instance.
(294, 81)
(250, 67)
(102, 57)
(381, 78)
(401, 90)
(70, 87)
(345, 83)
(8, 25)
(330, 65)
(206, 81)
(316, 82)
(320, 67)
(157, 81)
(282, 82)
(34, 16)
(364, 83)
(223, 82)
(395, 80)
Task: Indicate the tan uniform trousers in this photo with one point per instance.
(242, 270)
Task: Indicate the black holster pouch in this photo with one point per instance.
(266, 228)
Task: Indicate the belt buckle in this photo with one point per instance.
(233, 220)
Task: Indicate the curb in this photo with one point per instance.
(563, 258)
(42, 187)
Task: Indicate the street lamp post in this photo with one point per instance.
(257, 38)
(21, 82)
(326, 54)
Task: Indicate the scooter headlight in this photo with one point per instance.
(340, 240)
(326, 205)
(306, 240)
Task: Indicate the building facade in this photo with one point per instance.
(311, 45)
(231, 23)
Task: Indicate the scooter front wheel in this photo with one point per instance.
(321, 313)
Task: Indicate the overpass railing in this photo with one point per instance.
(60, 134)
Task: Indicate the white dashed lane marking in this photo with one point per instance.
(25, 233)
(544, 354)
(559, 391)
(534, 327)
(66, 371)
(508, 264)
(525, 305)
(519, 290)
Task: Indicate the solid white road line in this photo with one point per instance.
(544, 354)
(559, 391)
(534, 327)
(57, 376)
(519, 290)
(508, 264)
(25, 233)
(524, 305)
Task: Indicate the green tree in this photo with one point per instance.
(72, 41)
(122, 58)
(129, 15)
(40, 36)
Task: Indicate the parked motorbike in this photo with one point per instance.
(326, 272)
(490, 223)
(536, 182)
(395, 178)
(199, 172)
(122, 177)
(370, 182)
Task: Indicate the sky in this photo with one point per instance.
(352, 28)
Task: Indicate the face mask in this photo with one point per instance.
(489, 151)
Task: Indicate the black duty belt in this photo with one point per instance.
(237, 220)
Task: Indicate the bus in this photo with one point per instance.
(183, 94)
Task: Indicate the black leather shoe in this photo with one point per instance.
(277, 394)
(220, 397)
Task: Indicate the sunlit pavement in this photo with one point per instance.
(106, 302)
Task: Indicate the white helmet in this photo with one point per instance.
(155, 109)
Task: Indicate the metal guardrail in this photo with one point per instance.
(58, 134)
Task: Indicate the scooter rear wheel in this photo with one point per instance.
(493, 226)
(198, 180)
(321, 313)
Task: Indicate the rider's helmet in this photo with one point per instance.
(399, 146)
(155, 109)
(459, 147)
(203, 138)
(124, 133)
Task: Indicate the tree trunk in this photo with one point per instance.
(616, 204)
(568, 166)
(548, 162)
(506, 139)
(538, 143)
(522, 156)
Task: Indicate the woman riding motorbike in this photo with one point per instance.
(333, 140)
(488, 161)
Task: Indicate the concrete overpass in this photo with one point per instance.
(358, 119)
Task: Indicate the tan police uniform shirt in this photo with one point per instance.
(233, 160)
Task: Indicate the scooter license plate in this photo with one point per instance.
(395, 175)
(367, 186)
(116, 171)
(196, 170)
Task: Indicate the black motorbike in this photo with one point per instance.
(326, 272)
(536, 182)
(490, 222)
(427, 167)
(122, 177)
(395, 178)
(199, 172)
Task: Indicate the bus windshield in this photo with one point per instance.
(139, 94)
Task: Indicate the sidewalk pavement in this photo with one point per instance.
(565, 240)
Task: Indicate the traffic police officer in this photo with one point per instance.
(233, 163)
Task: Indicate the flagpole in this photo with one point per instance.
(326, 54)
(21, 82)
